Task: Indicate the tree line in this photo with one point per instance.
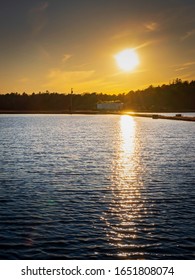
(176, 96)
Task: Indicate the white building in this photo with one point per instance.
(110, 105)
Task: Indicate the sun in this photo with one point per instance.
(127, 59)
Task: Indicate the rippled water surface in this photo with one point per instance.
(96, 187)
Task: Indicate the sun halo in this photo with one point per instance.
(127, 60)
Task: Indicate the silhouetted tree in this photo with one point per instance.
(176, 96)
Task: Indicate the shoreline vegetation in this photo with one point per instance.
(178, 96)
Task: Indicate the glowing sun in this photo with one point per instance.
(127, 59)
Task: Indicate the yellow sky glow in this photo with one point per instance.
(95, 46)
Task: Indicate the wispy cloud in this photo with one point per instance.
(180, 69)
(38, 18)
(151, 26)
(183, 66)
(85, 81)
(40, 8)
(189, 63)
(188, 34)
(136, 30)
(147, 43)
(58, 79)
(23, 80)
(122, 34)
(69, 75)
(66, 57)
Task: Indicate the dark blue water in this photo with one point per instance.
(96, 187)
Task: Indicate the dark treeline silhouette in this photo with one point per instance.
(176, 96)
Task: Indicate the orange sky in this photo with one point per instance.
(57, 45)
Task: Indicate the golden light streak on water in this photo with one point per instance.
(125, 205)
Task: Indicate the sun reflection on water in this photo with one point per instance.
(126, 145)
(124, 209)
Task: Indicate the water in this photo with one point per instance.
(96, 187)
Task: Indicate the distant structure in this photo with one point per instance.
(71, 93)
(110, 105)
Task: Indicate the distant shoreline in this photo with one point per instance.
(178, 115)
(59, 112)
(92, 112)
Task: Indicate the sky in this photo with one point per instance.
(57, 45)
